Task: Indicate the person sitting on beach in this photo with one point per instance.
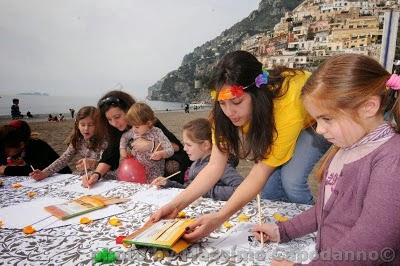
(29, 115)
(60, 117)
(19, 152)
(113, 107)
(358, 207)
(197, 143)
(141, 119)
(86, 141)
(15, 112)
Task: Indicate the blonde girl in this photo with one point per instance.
(142, 119)
(358, 206)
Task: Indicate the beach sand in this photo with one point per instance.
(56, 133)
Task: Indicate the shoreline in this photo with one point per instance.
(67, 116)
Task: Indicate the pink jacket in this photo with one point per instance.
(360, 223)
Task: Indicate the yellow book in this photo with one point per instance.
(81, 205)
(162, 234)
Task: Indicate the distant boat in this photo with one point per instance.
(34, 93)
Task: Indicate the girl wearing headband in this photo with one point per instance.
(259, 116)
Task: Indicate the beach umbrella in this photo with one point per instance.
(131, 170)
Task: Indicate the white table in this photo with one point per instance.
(77, 244)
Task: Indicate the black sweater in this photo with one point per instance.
(38, 153)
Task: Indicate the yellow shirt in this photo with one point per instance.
(290, 118)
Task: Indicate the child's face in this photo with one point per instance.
(87, 127)
(142, 129)
(116, 118)
(238, 109)
(194, 150)
(12, 151)
(341, 130)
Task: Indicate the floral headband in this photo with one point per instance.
(393, 82)
(228, 92)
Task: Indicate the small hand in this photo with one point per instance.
(38, 175)
(142, 145)
(159, 182)
(269, 231)
(88, 181)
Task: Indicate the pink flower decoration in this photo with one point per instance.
(394, 82)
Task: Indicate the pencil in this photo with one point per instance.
(158, 146)
(84, 165)
(174, 174)
(33, 169)
(259, 217)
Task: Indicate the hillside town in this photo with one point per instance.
(317, 29)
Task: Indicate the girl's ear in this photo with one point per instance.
(207, 145)
(370, 108)
(149, 123)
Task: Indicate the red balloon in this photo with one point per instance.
(131, 170)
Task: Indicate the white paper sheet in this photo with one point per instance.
(30, 182)
(32, 212)
(158, 197)
(236, 236)
(98, 188)
(241, 238)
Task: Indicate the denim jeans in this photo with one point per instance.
(289, 181)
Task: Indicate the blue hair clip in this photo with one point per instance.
(262, 78)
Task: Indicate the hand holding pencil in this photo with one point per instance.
(162, 181)
(88, 181)
(157, 155)
(38, 174)
(264, 232)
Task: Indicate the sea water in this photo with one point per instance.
(37, 104)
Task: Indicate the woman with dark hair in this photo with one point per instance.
(257, 115)
(19, 152)
(113, 106)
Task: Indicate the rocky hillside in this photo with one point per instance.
(189, 82)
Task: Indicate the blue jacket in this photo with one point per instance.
(222, 190)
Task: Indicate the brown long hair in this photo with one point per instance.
(241, 68)
(76, 136)
(343, 83)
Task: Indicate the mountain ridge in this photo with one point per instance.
(189, 82)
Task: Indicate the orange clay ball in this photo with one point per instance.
(28, 230)
(85, 220)
(114, 221)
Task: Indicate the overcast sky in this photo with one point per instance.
(88, 46)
